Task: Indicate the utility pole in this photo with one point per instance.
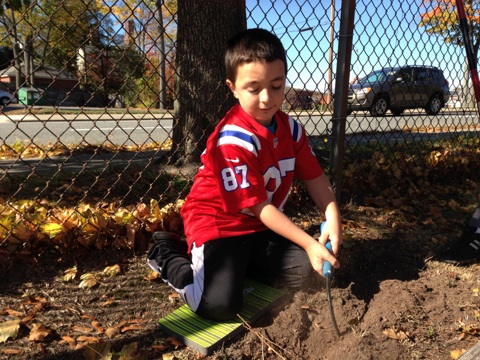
(161, 34)
(330, 55)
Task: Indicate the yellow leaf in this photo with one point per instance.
(9, 329)
(89, 280)
(455, 354)
(113, 270)
(152, 275)
(70, 274)
(52, 229)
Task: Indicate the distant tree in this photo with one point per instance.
(150, 27)
(19, 41)
(6, 57)
(441, 18)
(202, 95)
(50, 33)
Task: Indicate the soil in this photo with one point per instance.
(391, 300)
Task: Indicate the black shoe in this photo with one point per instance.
(166, 247)
(466, 250)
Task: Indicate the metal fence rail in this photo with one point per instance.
(90, 89)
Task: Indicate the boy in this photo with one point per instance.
(465, 250)
(233, 216)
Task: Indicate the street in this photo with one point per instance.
(123, 129)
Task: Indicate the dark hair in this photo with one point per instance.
(252, 45)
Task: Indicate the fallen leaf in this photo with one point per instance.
(152, 275)
(12, 351)
(159, 347)
(131, 328)
(86, 316)
(112, 332)
(33, 312)
(99, 351)
(395, 334)
(88, 339)
(175, 343)
(470, 330)
(12, 312)
(128, 351)
(70, 274)
(455, 354)
(38, 332)
(113, 270)
(108, 302)
(69, 340)
(89, 280)
(82, 329)
(9, 329)
(97, 327)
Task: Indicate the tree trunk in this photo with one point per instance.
(202, 97)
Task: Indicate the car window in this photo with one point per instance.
(374, 77)
(405, 74)
(423, 74)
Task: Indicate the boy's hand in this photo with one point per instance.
(332, 233)
(318, 254)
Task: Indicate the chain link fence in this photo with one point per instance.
(88, 115)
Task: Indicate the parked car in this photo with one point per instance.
(400, 88)
(7, 98)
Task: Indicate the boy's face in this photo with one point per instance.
(260, 89)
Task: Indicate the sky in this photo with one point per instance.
(385, 34)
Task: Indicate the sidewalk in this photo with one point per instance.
(78, 162)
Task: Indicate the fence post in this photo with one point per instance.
(339, 116)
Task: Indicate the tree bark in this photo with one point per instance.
(202, 97)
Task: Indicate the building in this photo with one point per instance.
(45, 77)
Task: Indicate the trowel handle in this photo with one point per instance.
(327, 267)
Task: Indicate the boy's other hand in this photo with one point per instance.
(318, 254)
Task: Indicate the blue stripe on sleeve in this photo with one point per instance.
(239, 135)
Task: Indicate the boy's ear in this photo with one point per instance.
(231, 86)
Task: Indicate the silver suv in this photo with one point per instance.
(399, 88)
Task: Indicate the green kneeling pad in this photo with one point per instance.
(205, 335)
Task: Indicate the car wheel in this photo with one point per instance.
(397, 112)
(379, 106)
(434, 105)
(4, 101)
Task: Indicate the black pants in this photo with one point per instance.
(211, 279)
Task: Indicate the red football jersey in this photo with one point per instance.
(245, 164)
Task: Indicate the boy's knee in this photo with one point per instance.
(163, 235)
(220, 310)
